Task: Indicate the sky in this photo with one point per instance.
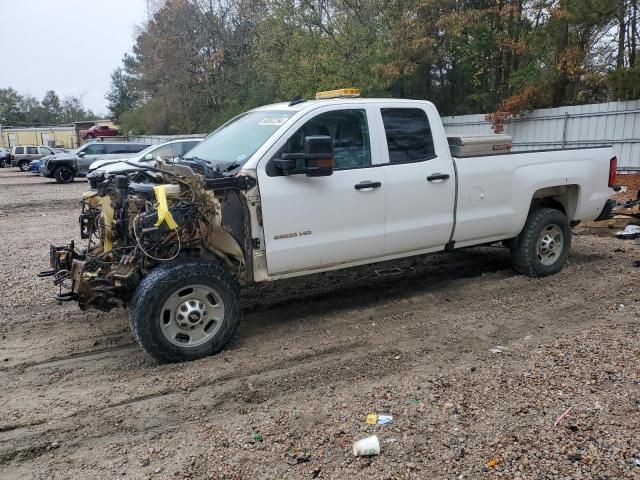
(70, 46)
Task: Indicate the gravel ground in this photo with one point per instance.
(314, 356)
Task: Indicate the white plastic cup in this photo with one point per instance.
(366, 446)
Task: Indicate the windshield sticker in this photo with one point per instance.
(273, 121)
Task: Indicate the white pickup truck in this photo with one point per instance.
(309, 186)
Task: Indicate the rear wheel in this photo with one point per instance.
(24, 165)
(64, 174)
(185, 310)
(543, 245)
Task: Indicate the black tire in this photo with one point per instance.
(24, 165)
(528, 250)
(64, 174)
(147, 317)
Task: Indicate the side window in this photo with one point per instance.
(164, 153)
(45, 151)
(350, 134)
(95, 149)
(19, 150)
(176, 150)
(32, 150)
(408, 135)
(186, 146)
(114, 148)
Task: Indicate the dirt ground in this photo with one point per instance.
(314, 356)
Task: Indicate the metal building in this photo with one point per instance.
(615, 123)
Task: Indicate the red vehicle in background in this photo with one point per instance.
(98, 131)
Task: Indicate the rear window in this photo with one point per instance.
(19, 150)
(136, 147)
(408, 135)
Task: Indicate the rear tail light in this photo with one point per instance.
(613, 169)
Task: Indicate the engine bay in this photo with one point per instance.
(131, 222)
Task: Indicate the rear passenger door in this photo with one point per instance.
(420, 180)
(32, 153)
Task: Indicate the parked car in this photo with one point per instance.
(21, 155)
(164, 151)
(34, 166)
(295, 189)
(65, 167)
(5, 157)
(98, 131)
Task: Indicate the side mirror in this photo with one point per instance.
(81, 154)
(148, 156)
(316, 161)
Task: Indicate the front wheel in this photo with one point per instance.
(543, 245)
(185, 310)
(63, 174)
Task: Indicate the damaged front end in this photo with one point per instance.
(133, 222)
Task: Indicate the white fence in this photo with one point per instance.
(614, 123)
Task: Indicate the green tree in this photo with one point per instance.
(10, 106)
(32, 111)
(72, 110)
(51, 104)
(120, 97)
(500, 56)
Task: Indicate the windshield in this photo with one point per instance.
(234, 143)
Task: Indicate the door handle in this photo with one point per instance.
(367, 184)
(437, 176)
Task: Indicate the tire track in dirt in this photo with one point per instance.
(89, 355)
(227, 388)
(268, 380)
(111, 352)
(336, 292)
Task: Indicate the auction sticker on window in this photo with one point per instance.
(273, 121)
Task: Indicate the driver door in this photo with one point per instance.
(91, 154)
(317, 222)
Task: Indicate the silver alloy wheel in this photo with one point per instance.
(192, 315)
(550, 245)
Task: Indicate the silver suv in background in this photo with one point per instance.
(65, 167)
(22, 155)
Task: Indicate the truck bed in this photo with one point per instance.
(494, 192)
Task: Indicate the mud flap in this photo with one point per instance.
(607, 211)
